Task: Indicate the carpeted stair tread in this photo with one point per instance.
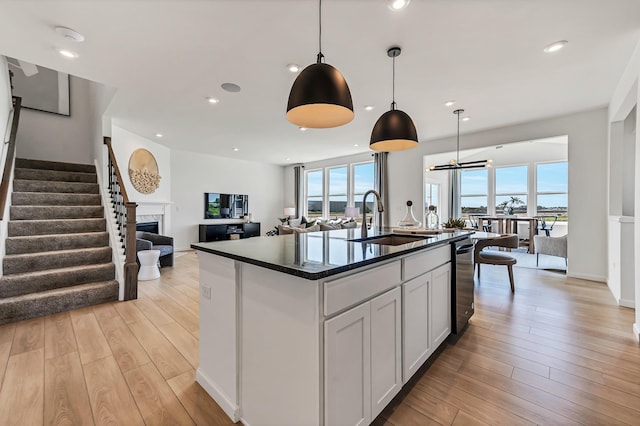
(28, 185)
(57, 300)
(54, 199)
(55, 212)
(31, 282)
(18, 263)
(55, 175)
(55, 226)
(54, 242)
(25, 163)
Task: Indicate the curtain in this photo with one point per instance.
(381, 171)
(297, 189)
(455, 209)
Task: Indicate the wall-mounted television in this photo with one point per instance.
(225, 206)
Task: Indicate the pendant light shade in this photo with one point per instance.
(320, 97)
(394, 130)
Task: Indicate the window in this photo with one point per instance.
(552, 186)
(431, 197)
(338, 184)
(344, 186)
(511, 189)
(314, 190)
(473, 191)
(363, 180)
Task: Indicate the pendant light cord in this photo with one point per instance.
(393, 85)
(320, 55)
(458, 142)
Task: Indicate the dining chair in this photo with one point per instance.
(545, 223)
(495, 257)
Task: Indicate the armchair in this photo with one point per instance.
(553, 246)
(151, 241)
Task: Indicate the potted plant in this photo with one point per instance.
(452, 223)
(508, 205)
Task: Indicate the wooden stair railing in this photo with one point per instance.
(126, 220)
(11, 152)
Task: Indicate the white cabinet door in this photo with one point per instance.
(440, 304)
(415, 321)
(347, 368)
(386, 349)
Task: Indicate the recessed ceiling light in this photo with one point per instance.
(236, 149)
(303, 129)
(368, 107)
(397, 4)
(355, 144)
(287, 159)
(554, 47)
(70, 34)
(293, 67)
(466, 119)
(68, 53)
(159, 135)
(449, 103)
(212, 100)
(230, 87)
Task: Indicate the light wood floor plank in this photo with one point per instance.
(202, 409)
(156, 401)
(66, 400)
(164, 355)
(111, 400)
(186, 344)
(22, 394)
(7, 332)
(29, 336)
(59, 338)
(182, 316)
(129, 312)
(91, 342)
(464, 419)
(152, 311)
(432, 407)
(124, 346)
(403, 414)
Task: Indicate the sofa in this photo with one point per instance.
(302, 225)
(151, 241)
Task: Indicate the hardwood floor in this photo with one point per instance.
(558, 351)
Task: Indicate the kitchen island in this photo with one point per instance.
(315, 328)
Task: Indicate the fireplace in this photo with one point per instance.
(147, 227)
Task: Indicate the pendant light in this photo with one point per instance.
(394, 130)
(456, 164)
(320, 97)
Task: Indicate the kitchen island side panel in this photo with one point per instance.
(280, 348)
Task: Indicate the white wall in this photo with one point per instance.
(625, 97)
(6, 104)
(52, 137)
(124, 143)
(193, 174)
(587, 132)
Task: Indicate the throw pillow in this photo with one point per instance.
(349, 225)
(328, 227)
(314, 228)
(284, 230)
(295, 222)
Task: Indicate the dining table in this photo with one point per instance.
(508, 224)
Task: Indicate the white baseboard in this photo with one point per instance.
(627, 303)
(588, 277)
(636, 331)
(231, 409)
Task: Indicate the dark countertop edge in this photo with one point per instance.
(327, 273)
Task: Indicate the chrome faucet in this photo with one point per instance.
(363, 233)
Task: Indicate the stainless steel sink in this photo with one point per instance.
(391, 239)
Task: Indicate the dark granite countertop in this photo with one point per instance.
(317, 255)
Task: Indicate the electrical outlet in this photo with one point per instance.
(205, 292)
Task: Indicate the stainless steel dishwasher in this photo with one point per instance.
(461, 285)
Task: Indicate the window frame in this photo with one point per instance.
(537, 193)
(497, 194)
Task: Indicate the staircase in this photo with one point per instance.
(57, 250)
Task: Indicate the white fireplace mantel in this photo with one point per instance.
(155, 212)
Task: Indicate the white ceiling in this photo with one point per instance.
(165, 57)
